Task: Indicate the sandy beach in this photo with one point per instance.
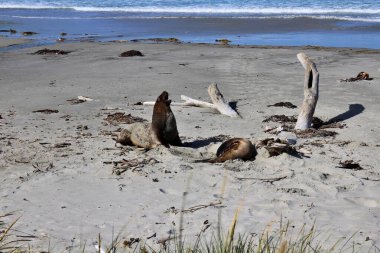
(57, 172)
(7, 42)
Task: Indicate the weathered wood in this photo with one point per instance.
(311, 92)
(218, 102)
(172, 103)
(188, 101)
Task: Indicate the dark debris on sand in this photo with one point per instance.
(62, 145)
(76, 101)
(123, 165)
(122, 118)
(8, 31)
(317, 130)
(349, 164)
(281, 119)
(158, 40)
(131, 53)
(47, 51)
(47, 111)
(28, 33)
(311, 132)
(284, 104)
(361, 76)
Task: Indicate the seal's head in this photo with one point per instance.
(124, 137)
(164, 97)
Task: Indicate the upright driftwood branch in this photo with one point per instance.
(221, 105)
(311, 91)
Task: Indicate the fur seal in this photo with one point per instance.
(137, 134)
(164, 125)
(162, 130)
(234, 148)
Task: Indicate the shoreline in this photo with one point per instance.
(57, 169)
(12, 44)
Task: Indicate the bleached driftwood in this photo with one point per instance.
(311, 92)
(153, 102)
(83, 98)
(217, 99)
(188, 101)
(221, 105)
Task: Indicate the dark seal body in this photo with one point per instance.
(233, 149)
(164, 125)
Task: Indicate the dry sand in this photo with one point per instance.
(55, 169)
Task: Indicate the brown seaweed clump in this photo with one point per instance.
(281, 119)
(311, 132)
(47, 51)
(122, 118)
(8, 31)
(288, 123)
(47, 111)
(361, 76)
(349, 164)
(131, 53)
(28, 33)
(284, 104)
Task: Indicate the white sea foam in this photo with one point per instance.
(349, 14)
(249, 10)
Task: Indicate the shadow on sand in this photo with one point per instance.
(205, 142)
(353, 110)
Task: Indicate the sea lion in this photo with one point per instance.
(162, 130)
(234, 148)
(164, 126)
(137, 134)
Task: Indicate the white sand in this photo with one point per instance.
(79, 196)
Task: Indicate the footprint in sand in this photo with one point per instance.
(368, 202)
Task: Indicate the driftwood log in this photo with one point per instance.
(217, 99)
(311, 92)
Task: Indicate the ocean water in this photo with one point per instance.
(356, 10)
(342, 23)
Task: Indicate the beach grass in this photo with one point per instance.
(282, 240)
(8, 242)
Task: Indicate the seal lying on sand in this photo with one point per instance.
(162, 130)
(235, 148)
